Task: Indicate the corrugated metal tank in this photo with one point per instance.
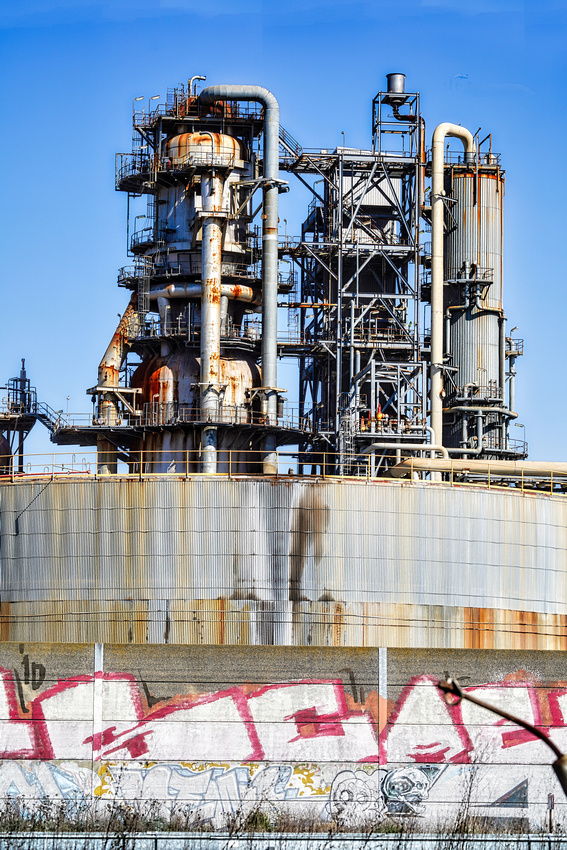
(290, 561)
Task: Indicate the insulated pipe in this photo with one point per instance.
(437, 273)
(211, 252)
(431, 432)
(210, 94)
(232, 291)
(506, 468)
(413, 447)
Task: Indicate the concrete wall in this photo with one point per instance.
(357, 737)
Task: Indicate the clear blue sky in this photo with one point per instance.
(70, 70)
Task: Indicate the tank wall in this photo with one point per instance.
(286, 562)
(347, 739)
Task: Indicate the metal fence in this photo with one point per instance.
(275, 841)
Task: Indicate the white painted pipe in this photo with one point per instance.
(504, 468)
(232, 291)
(270, 219)
(211, 253)
(437, 234)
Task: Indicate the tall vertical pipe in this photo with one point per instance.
(210, 94)
(437, 233)
(212, 190)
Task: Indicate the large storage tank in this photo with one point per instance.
(282, 562)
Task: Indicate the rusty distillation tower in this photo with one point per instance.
(200, 277)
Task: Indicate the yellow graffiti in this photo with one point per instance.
(307, 776)
(106, 780)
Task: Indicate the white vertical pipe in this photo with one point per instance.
(437, 234)
(210, 94)
(211, 253)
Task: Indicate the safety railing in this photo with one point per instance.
(141, 239)
(158, 414)
(130, 165)
(475, 274)
(218, 158)
(235, 463)
(514, 347)
(476, 393)
(458, 158)
(179, 105)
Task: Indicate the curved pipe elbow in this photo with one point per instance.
(210, 94)
(239, 92)
(455, 130)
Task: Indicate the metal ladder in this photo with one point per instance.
(143, 295)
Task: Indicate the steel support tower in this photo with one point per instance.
(363, 358)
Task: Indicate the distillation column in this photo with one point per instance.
(476, 417)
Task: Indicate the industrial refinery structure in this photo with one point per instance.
(387, 280)
(387, 511)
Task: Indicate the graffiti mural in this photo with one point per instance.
(317, 747)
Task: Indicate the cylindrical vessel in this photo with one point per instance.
(396, 83)
(257, 561)
(473, 290)
(170, 396)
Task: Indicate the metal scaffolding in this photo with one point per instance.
(363, 358)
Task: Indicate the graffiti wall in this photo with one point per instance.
(351, 737)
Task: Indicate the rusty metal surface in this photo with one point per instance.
(253, 623)
(282, 562)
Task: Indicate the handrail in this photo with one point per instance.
(172, 464)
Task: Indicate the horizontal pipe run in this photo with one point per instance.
(432, 438)
(475, 408)
(505, 468)
(233, 291)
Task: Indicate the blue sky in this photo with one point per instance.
(71, 69)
